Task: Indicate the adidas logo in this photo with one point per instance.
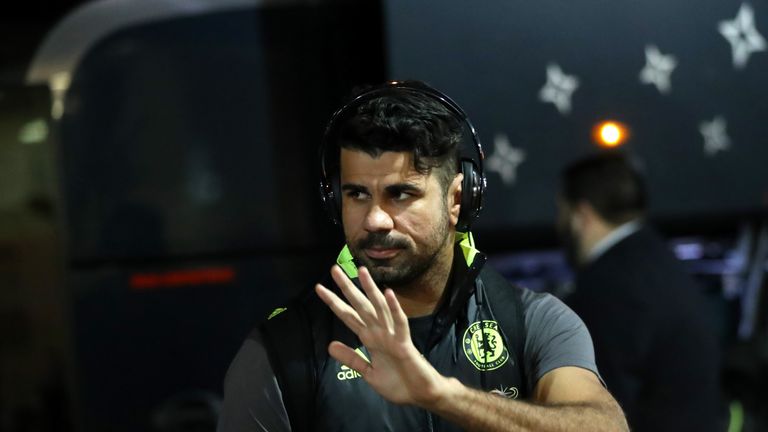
(346, 373)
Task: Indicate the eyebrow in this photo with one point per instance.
(395, 189)
(354, 188)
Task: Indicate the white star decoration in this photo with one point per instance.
(658, 68)
(715, 137)
(505, 159)
(742, 35)
(559, 88)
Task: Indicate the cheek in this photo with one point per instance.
(352, 212)
(415, 226)
(421, 223)
(351, 221)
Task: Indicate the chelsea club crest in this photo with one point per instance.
(484, 345)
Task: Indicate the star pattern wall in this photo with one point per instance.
(658, 68)
(505, 159)
(715, 136)
(742, 35)
(559, 88)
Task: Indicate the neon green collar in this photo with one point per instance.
(464, 239)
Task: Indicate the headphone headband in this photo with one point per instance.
(474, 183)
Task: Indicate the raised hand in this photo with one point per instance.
(397, 370)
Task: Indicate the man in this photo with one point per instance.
(428, 338)
(656, 348)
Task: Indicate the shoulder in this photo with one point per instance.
(250, 371)
(536, 307)
(633, 272)
(251, 357)
(555, 336)
(644, 245)
(545, 312)
(252, 397)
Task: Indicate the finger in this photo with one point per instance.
(341, 309)
(399, 319)
(348, 357)
(356, 298)
(375, 296)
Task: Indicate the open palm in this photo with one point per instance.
(396, 370)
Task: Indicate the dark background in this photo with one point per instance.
(172, 203)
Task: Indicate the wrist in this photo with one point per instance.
(439, 393)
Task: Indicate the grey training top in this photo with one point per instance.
(555, 337)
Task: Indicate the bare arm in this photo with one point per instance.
(565, 399)
(590, 407)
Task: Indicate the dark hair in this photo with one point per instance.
(609, 183)
(403, 120)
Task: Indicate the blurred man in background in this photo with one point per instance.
(655, 345)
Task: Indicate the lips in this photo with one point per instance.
(376, 253)
(381, 245)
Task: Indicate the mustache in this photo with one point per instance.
(380, 240)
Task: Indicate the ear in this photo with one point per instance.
(453, 197)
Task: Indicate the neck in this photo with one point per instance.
(617, 234)
(594, 236)
(420, 298)
(597, 240)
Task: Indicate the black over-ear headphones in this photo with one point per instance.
(472, 186)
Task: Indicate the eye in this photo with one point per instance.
(358, 195)
(402, 196)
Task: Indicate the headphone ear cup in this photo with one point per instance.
(330, 194)
(470, 195)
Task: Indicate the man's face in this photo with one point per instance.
(396, 220)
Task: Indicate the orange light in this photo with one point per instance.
(610, 134)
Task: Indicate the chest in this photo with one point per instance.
(476, 354)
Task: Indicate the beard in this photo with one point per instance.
(408, 265)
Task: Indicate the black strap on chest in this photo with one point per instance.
(505, 300)
(296, 341)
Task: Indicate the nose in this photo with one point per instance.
(377, 219)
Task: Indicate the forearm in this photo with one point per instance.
(475, 410)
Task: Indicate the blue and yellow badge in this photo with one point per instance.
(484, 345)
